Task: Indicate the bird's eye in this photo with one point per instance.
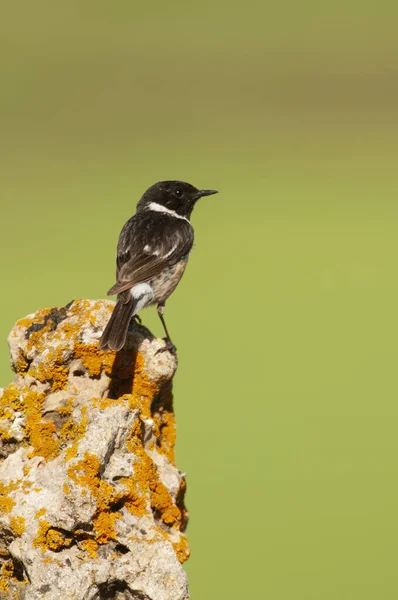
(179, 193)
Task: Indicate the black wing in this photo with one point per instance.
(148, 244)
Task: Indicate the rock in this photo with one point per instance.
(91, 502)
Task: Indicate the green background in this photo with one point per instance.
(286, 320)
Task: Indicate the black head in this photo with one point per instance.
(176, 196)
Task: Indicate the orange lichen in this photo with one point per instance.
(21, 364)
(90, 546)
(67, 409)
(10, 401)
(104, 526)
(40, 513)
(94, 359)
(6, 502)
(24, 323)
(40, 540)
(147, 477)
(49, 538)
(66, 488)
(56, 540)
(37, 339)
(52, 370)
(78, 306)
(165, 433)
(144, 390)
(17, 524)
(86, 474)
(43, 441)
(41, 434)
(6, 575)
(85, 471)
(162, 502)
(72, 432)
(182, 548)
(136, 501)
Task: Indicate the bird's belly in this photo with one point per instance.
(166, 282)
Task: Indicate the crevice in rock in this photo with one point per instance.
(20, 573)
(122, 375)
(55, 316)
(78, 373)
(59, 539)
(180, 502)
(8, 447)
(122, 548)
(163, 401)
(115, 590)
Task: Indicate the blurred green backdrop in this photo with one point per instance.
(286, 393)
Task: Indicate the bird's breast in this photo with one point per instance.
(166, 282)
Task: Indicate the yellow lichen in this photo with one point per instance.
(17, 524)
(66, 488)
(40, 513)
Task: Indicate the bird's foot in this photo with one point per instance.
(169, 347)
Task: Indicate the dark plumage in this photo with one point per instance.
(152, 254)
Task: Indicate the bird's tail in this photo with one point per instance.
(115, 333)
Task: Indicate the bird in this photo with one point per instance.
(152, 254)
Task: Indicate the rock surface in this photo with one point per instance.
(91, 502)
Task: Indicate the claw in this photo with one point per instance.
(169, 347)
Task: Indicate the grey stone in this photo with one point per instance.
(91, 501)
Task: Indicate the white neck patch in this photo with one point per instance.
(159, 208)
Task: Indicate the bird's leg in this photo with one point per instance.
(134, 320)
(169, 344)
(160, 309)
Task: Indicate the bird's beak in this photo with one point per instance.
(202, 193)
